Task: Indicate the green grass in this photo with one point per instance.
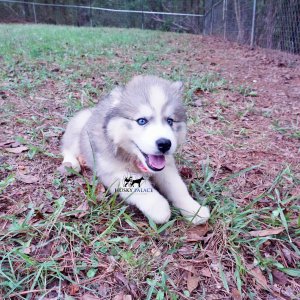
(55, 43)
(42, 53)
(246, 91)
(291, 130)
(27, 264)
(204, 83)
(66, 237)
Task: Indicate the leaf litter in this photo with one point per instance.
(16, 150)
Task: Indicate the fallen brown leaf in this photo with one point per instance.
(122, 297)
(205, 272)
(16, 150)
(83, 210)
(89, 297)
(197, 233)
(212, 297)
(186, 250)
(62, 169)
(155, 252)
(73, 289)
(287, 254)
(103, 289)
(236, 294)
(131, 287)
(28, 250)
(199, 92)
(122, 279)
(6, 143)
(133, 290)
(56, 69)
(15, 145)
(266, 232)
(186, 172)
(192, 282)
(259, 277)
(27, 178)
(279, 277)
(23, 169)
(198, 102)
(100, 190)
(190, 268)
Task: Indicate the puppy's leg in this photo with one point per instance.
(150, 203)
(172, 186)
(70, 141)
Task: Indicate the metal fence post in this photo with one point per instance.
(143, 16)
(34, 13)
(253, 24)
(225, 17)
(91, 14)
(211, 19)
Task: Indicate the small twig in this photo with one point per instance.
(30, 292)
(181, 295)
(92, 279)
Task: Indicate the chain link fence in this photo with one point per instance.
(265, 23)
(162, 15)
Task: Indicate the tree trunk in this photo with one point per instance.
(237, 8)
(270, 23)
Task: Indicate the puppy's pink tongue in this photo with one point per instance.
(157, 161)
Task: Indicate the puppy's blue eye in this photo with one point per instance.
(170, 121)
(142, 121)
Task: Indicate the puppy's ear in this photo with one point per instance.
(178, 86)
(117, 91)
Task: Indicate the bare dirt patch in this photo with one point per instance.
(261, 128)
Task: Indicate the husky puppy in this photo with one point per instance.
(133, 132)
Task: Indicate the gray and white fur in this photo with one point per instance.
(133, 132)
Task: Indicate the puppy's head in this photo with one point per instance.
(147, 120)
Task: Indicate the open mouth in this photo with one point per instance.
(154, 162)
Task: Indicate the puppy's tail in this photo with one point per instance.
(70, 141)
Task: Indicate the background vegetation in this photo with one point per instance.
(275, 24)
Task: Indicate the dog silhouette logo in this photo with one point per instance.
(137, 181)
(133, 184)
(128, 181)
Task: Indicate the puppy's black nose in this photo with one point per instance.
(163, 145)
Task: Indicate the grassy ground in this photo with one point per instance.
(66, 238)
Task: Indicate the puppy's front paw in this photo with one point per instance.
(63, 168)
(159, 211)
(72, 163)
(196, 213)
(162, 218)
(202, 216)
